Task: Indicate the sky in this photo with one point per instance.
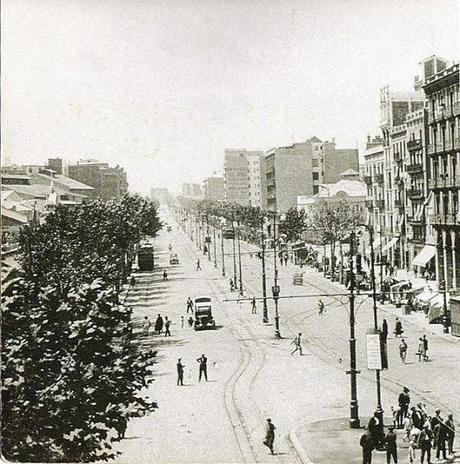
(163, 87)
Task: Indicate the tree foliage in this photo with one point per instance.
(293, 224)
(68, 381)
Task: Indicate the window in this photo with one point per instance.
(315, 163)
(316, 176)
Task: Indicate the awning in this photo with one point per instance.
(424, 256)
(390, 244)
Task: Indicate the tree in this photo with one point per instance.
(293, 224)
(68, 380)
(335, 220)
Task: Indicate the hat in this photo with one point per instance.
(406, 389)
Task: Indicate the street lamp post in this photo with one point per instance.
(354, 416)
(276, 287)
(239, 257)
(264, 279)
(382, 296)
(208, 238)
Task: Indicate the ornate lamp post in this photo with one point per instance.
(264, 278)
(239, 256)
(222, 224)
(276, 288)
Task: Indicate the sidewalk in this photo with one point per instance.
(322, 442)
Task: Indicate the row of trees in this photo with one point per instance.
(69, 383)
(332, 221)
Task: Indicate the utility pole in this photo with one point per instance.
(264, 279)
(207, 240)
(222, 247)
(382, 296)
(214, 240)
(239, 258)
(234, 253)
(354, 417)
(275, 288)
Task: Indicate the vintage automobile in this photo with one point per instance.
(173, 259)
(203, 314)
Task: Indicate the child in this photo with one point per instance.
(411, 451)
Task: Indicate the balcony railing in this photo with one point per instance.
(431, 149)
(369, 203)
(414, 193)
(457, 143)
(456, 108)
(397, 157)
(445, 219)
(414, 145)
(398, 203)
(379, 203)
(430, 118)
(414, 168)
(379, 178)
(433, 183)
(367, 179)
(414, 220)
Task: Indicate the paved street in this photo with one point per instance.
(252, 375)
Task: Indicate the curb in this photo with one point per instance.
(298, 448)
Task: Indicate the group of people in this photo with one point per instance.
(158, 327)
(203, 369)
(423, 431)
(283, 257)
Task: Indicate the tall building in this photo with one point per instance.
(394, 107)
(291, 171)
(214, 188)
(242, 176)
(109, 183)
(192, 190)
(336, 161)
(443, 149)
(373, 176)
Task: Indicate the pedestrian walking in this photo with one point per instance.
(232, 285)
(203, 362)
(417, 418)
(390, 445)
(189, 305)
(366, 443)
(286, 259)
(180, 372)
(403, 402)
(450, 426)
(297, 342)
(159, 324)
(167, 326)
(165, 275)
(421, 350)
(182, 322)
(385, 330)
(190, 321)
(198, 266)
(425, 348)
(403, 350)
(146, 326)
(398, 328)
(254, 307)
(424, 441)
(320, 307)
(269, 435)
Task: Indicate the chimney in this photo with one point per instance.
(368, 139)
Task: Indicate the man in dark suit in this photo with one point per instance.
(180, 372)
(366, 444)
(403, 401)
(203, 362)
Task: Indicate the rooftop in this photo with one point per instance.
(72, 184)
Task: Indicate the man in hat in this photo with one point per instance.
(269, 435)
(403, 401)
(366, 443)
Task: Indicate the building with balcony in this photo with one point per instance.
(373, 177)
(394, 108)
(443, 140)
(242, 176)
(336, 161)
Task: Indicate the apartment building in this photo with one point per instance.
(242, 176)
(214, 188)
(443, 149)
(292, 171)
